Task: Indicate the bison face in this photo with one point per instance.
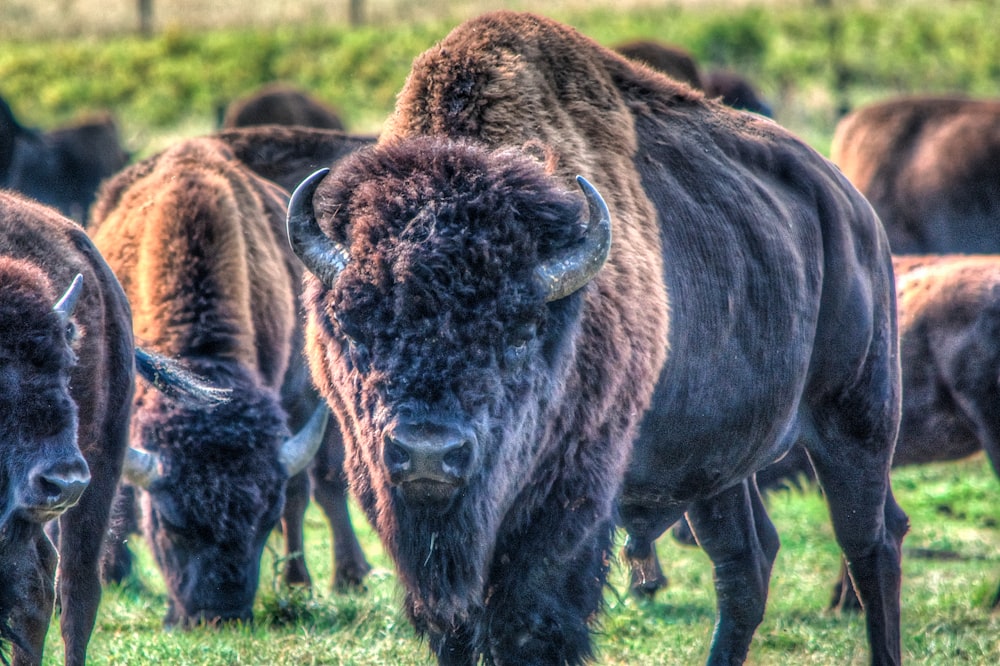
(42, 472)
(216, 494)
(440, 329)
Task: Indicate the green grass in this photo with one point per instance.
(951, 572)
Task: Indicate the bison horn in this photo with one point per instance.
(296, 452)
(325, 258)
(564, 274)
(140, 468)
(65, 305)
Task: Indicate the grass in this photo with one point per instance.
(951, 572)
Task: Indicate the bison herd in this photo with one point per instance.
(567, 290)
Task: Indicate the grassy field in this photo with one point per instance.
(951, 572)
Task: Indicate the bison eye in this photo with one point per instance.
(517, 348)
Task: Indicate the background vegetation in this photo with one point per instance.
(812, 59)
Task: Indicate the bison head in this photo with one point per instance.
(441, 326)
(215, 481)
(42, 472)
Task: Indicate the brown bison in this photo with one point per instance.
(280, 104)
(930, 166)
(196, 241)
(65, 391)
(489, 350)
(286, 155)
(63, 167)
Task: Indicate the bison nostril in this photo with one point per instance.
(397, 458)
(456, 461)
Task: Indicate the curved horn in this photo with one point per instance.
(567, 272)
(140, 468)
(323, 257)
(296, 452)
(65, 305)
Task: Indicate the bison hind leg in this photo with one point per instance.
(737, 535)
(869, 527)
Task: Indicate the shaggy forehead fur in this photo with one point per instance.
(445, 237)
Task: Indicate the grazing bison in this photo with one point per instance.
(65, 391)
(489, 343)
(281, 104)
(930, 166)
(64, 167)
(195, 239)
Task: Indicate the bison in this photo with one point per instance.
(280, 104)
(489, 342)
(732, 88)
(63, 167)
(930, 166)
(949, 324)
(195, 239)
(66, 388)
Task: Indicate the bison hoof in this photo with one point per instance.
(647, 588)
(351, 578)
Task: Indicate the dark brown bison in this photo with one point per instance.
(65, 390)
(930, 166)
(732, 88)
(675, 62)
(196, 241)
(280, 104)
(286, 155)
(63, 167)
(489, 351)
(949, 325)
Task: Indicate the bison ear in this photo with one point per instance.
(542, 153)
(322, 256)
(64, 306)
(570, 270)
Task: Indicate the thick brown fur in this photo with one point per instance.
(930, 166)
(62, 167)
(42, 251)
(197, 241)
(722, 218)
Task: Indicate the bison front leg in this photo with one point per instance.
(734, 530)
(330, 491)
(29, 574)
(546, 593)
(292, 524)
